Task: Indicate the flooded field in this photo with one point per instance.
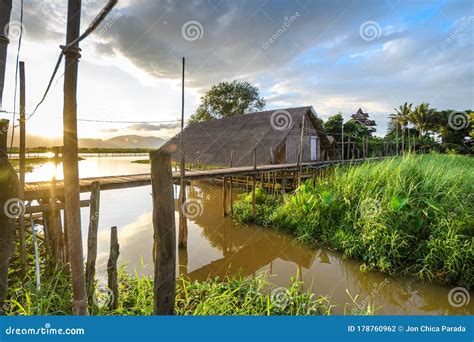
(217, 246)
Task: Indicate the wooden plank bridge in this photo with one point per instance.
(39, 190)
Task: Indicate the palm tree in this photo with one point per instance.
(401, 118)
(420, 117)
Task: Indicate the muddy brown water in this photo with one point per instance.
(219, 247)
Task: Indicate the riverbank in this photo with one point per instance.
(410, 215)
(229, 296)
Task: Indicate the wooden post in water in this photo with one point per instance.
(164, 233)
(112, 272)
(254, 181)
(183, 223)
(21, 189)
(231, 163)
(224, 196)
(92, 240)
(70, 158)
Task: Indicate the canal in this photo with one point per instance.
(219, 247)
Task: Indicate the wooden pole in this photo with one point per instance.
(9, 186)
(231, 163)
(70, 157)
(224, 196)
(254, 181)
(183, 223)
(164, 233)
(300, 154)
(21, 189)
(4, 123)
(5, 12)
(92, 240)
(66, 237)
(112, 273)
(342, 139)
(55, 217)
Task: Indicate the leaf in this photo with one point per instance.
(326, 198)
(397, 203)
(433, 205)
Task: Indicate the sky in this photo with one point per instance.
(336, 56)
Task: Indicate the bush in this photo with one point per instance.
(411, 215)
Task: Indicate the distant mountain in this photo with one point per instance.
(122, 141)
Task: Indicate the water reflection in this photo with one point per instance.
(217, 246)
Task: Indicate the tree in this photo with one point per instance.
(333, 126)
(355, 129)
(228, 99)
(421, 118)
(400, 119)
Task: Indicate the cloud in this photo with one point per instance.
(313, 50)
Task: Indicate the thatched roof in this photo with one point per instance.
(211, 142)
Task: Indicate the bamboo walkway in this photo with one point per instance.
(39, 190)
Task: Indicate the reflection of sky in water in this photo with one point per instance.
(218, 246)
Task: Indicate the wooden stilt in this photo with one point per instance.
(92, 240)
(21, 192)
(254, 181)
(183, 260)
(224, 196)
(300, 153)
(183, 222)
(231, 195)
(112, 272)
(164, 233)
(9, 185)
(55, 221)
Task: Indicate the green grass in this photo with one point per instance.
(411, 215)
(229, 296)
